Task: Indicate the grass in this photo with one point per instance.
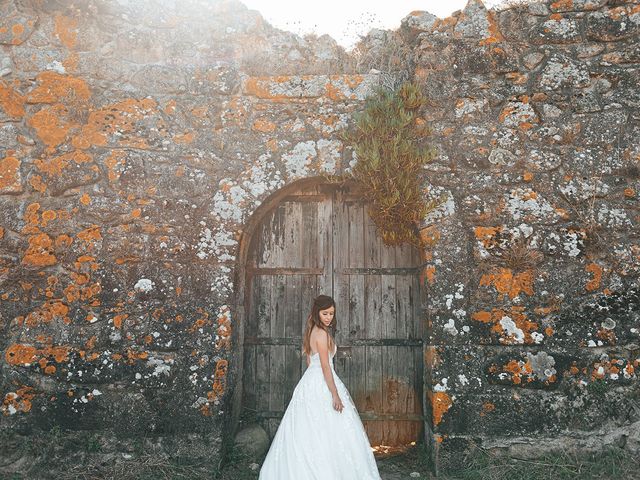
(84, 460)
(144, 467)
(608, 464)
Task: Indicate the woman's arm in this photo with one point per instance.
(322, 344)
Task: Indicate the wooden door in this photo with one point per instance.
(323, 241)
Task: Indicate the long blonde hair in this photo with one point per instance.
(321, 302)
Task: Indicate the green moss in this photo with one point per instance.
(598, 387)
(389, 144)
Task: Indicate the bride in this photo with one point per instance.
(320, 437)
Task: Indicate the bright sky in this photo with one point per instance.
(345, 19)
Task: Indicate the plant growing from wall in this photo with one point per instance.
(388, 143)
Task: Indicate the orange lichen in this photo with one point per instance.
(36, 182)
(333, 92)
(494, 33)
(428, 273)
(133, 355)
(223, 331)
(17, 30)
(506, 283)
(200, 321)
(54, 87)
(63, 241)
(70, 63)
(516, 315)
(487, 407)
(22, 354)
(47, 312)
(118, 319)
(52, 124)
(200, 112)
(264, 126)
(440, 404)
(186, 137)
(562, 5)
(39, 251)
(517, 369)
(120, 117)
(430, 235)
(256, 86)
(66, 29)
(517, 78)
(85, 199)
(170, 107)
(219, 385)
(594, 283)
(607, 335)
(55, 166)
(32, 219)
(18, 401)
(482, 316)
(90, 235)
(487, 235)
(48, 216)
(11, 101)
(116, 157)
(10, 174)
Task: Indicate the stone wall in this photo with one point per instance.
(533, 302)
(137, 140)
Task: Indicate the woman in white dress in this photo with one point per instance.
(320, 437)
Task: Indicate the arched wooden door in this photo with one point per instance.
(322, 240)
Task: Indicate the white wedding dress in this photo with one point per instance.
(316, 442)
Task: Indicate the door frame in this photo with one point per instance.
(241, 298)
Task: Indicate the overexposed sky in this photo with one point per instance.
(345, 19)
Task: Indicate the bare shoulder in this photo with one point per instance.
(319, 337)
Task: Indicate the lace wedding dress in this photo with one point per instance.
(316, 442)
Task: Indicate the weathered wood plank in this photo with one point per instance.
(375, 393)
(309, 290)
(356, 259)
(357, 380)
(278, 313)
(388, 288)
(373, 329)
(373, 321)
(340, 260)
(249, 377)
(309, 237)
(325, 248)
(262, 377)
(291, 372)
